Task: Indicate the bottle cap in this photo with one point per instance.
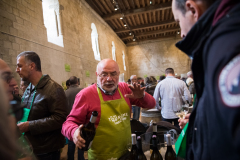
(154, 136)
(133, 138)
(138, 137)
(169, 141)
(95, 113)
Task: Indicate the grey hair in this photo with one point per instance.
(132, 76)
(189, 73)
(33, 57)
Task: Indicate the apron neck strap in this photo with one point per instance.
(101, 97)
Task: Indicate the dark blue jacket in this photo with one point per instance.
(214, 125)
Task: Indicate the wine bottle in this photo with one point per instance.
(170, 154)
(133, 154)
(155, 154)
(89, 130)
(154, 133)
(140, 153)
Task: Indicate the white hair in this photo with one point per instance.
(189, 73)
(132, 76)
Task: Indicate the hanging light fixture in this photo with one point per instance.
(134, 39)
(150, 2)
(125, 25)
(121, 17)
(130, 33)
(178, 32)
(115, 8)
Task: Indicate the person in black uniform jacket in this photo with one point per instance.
(210, 31)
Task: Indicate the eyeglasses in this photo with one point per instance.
(106, 75)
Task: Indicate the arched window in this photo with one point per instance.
(95, 46)
(52, 21)
(124, 65)
(113, 51)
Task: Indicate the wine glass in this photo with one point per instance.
(179, 108)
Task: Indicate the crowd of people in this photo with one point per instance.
(36, 124)
(164, 90)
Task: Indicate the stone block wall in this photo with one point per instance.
(151, 58)
(22, 29)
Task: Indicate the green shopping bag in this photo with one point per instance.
(180, 145)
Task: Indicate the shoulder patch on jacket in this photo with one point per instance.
(229, 83)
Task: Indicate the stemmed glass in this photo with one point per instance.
(180, 107)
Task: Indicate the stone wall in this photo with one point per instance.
(22, 29)
(151, 58)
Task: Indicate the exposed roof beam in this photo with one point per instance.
(94, 7)
(158, 38)
(130, 12)
(151, 32)
(144, 26)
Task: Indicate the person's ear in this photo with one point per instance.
(194, 9)
(32, 65)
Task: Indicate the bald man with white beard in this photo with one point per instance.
(112, 100)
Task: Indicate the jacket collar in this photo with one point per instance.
(193, 40)
(41, 83)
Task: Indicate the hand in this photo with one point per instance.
(77, 139)
(23, 126)
(137, 92)
(184, 121)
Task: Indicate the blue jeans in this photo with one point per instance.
(71, 151)
(136, 112)
(49, 156)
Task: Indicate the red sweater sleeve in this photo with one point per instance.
(147, 102)
(85, 102)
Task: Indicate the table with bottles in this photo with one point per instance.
(153, 146)
(162, 152)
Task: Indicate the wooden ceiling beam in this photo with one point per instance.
(157, 38)
(145, 26)
(152, 33)
(94, 7)
(105, 5)
(130, 12)
(121, 5)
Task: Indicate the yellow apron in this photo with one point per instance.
(113, 134)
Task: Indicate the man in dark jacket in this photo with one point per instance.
(46, 108)
(71, 93)
(211, 31)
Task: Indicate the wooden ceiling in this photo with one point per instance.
(144, 19)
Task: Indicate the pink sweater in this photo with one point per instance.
(87, 100)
